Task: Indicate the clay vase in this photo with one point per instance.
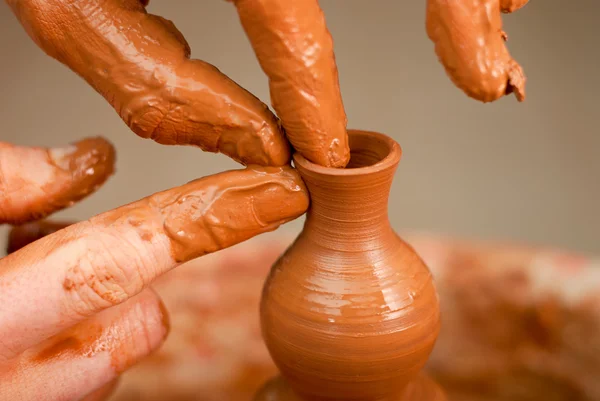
(349, 312)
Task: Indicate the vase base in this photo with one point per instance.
(423, 388)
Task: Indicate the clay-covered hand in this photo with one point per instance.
(141, 64)
(470, 43)
(76, 307)
(295, 50)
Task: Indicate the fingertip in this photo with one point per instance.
(90, 161)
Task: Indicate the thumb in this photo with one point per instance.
(35, 182)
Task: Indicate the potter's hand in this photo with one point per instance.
(470, 43)
(75, 308)
(140, 63)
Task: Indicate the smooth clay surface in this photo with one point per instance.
(349, 298)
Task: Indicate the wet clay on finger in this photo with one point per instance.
(295, 50)
(141, 64)
(215, 212)
(39, 181)
(470, 43)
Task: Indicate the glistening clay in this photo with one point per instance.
(349, 299)
(215, 212)
(47, 180)
(140, 63)
(469, 42)
(295, 50)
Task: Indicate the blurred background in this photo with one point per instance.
(505, 171)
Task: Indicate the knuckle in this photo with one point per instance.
(104, 276)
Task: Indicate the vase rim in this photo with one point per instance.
(375, 139)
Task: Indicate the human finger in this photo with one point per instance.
(509, 6)
(23, 235)
(295, 49)
(89, 355)
(36, 182)
(141, 64)
(470, 44)
(103, 393)
(72, 274)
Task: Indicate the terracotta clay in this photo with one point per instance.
(140, 63)
(37, 181)
(295, 50)
(349, 312)
(215, 212)
(470, 43)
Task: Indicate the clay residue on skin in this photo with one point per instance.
(295, 50)
(77, 341)
(218, 211)
(349, 298)
(23, 235)
(52, 179)
(141, 64)
(215, 212)
(470, 43)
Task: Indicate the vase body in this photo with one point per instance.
(349, 312)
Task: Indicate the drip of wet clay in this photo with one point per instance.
(470, 43)
(295, 49)
(349, 312)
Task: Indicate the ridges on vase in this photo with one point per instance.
(349, 312)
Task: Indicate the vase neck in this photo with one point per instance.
(348, 209)
(349, 206)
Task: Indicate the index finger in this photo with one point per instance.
(295, 50)
(72, 274)
(141, 64)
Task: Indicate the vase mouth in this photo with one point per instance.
(370, 152)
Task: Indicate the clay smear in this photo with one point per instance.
(38, 181)
(141, 64)
(215, 212)
(295, 50)
(470, 43)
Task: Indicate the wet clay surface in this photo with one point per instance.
(295, 49)
(68, 175)
(215, 212)
(141, 64)
(470, 43)
(349, 298)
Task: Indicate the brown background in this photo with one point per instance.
(506, 171)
